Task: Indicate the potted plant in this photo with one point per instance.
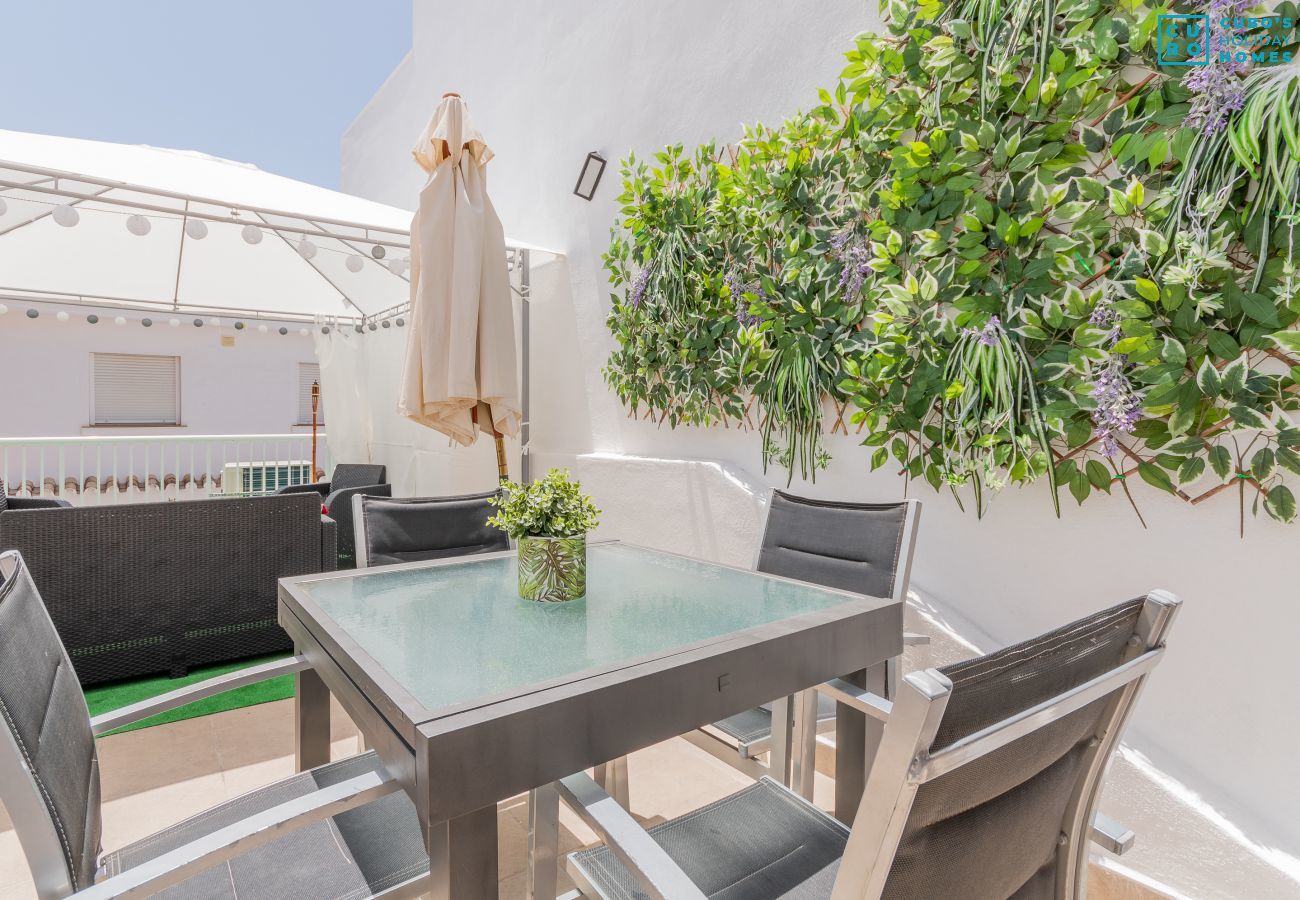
(549, 520)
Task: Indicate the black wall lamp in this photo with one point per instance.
(589, 180)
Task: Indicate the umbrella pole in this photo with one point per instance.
(502, 471)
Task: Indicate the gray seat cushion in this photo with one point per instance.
(762, 843)
(356, 854)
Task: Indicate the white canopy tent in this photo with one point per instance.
(317, 253)
(175, 231)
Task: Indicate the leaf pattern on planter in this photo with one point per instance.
(553, 570)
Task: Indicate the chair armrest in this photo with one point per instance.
(234, 840)
(19, 503)
(181, 696)
(1110, 835)
(339, 504)
(329, 544)
(911, 639)
(650, 864)
(318, 487)
(343, 497)
(857, 698)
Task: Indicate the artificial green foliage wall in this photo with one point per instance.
(1013, 245)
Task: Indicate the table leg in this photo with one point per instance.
(782, 738)
(856, 739)
(803, 762)
(463, 857)
(543, 842)
(312, 708)
(613, 780)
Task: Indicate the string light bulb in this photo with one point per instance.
(354, 263)
(138, 225)
(66, 215)
(306, 249)
(61, 316)
(251, 234)
(197, 229)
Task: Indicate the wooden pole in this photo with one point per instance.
(315, 405)
(503, 470)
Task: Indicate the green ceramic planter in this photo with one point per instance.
(551, 569)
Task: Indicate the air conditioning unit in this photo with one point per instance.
(245, 479)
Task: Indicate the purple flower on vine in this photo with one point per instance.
(639, 285)
(1216, 88)
(990, 334)
(853, 258)
(738, 290)
(1105, 316)
(1119, 408)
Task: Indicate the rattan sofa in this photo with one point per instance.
(137, 589)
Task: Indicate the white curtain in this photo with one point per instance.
(360, 379)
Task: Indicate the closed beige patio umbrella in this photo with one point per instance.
(460, 372)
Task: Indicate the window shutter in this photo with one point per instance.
(133, 389)
(307, 373)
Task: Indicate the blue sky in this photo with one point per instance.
(274, 82)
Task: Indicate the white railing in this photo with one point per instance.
(103, 470)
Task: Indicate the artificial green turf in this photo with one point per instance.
(104, 698)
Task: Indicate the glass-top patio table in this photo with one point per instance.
(471, 695)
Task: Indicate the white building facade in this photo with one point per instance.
(227, 381)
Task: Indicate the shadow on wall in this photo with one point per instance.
(671, 504)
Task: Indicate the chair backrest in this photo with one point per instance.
(49, 774)
(414, 529)
(354, 475)
(861, 547)
(4, 496)
(986, 780)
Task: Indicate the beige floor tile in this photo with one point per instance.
(141, 761)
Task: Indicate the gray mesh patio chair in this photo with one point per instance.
(416, 529)
(984, 787)
(861, 547)
(342, 830)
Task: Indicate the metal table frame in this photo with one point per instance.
(458, 762)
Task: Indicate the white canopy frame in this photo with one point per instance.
(37, 191)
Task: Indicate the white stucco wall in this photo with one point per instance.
(45, 373)
(548, 83)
